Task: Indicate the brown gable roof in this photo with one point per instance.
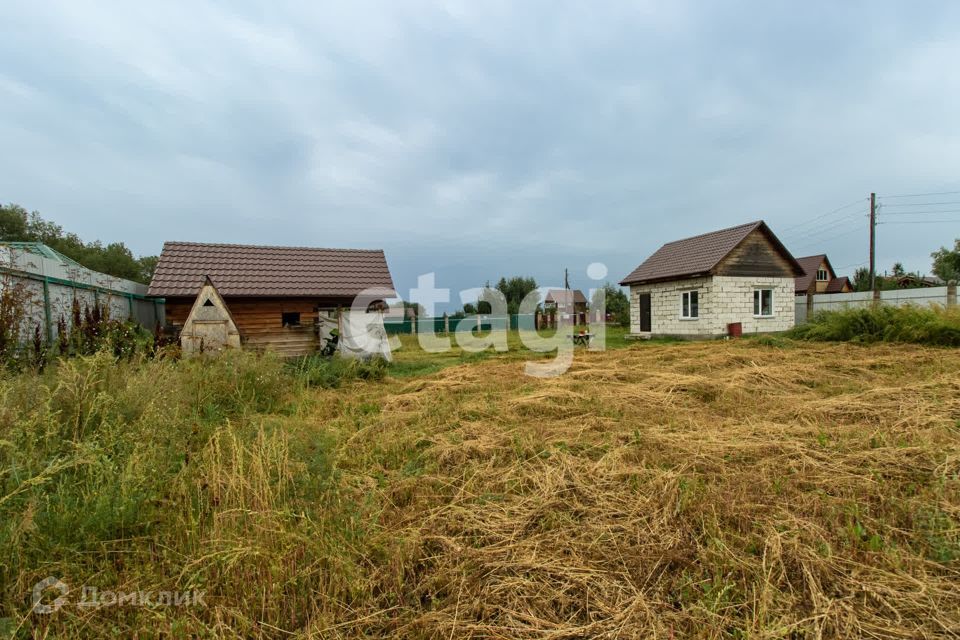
(810, 265)
(563, 295)
(249, 270)
(836, 285)
(697, 256)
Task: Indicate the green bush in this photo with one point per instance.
(922, 325)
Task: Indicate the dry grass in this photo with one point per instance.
(706, 490)
(715, 490)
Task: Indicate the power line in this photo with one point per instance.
(856, 264)
(918, 221)
(923, 195)
(829, 238)
(825, 230)
(921, 213)
(822, 216)
(925, 204)
(827, 225)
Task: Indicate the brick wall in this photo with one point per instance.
(722, 299)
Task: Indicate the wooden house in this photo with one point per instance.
(274, 295)
(739, 279)
(570, 303)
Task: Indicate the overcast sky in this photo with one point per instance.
(480, 139)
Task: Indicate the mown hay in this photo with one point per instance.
(692, 490)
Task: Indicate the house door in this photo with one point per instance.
(644, 312)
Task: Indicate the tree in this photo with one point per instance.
(898, 271)
(515, 290)
(115, 259)
(418, 309)
(861, 279)
(946, 263)
(616, 301)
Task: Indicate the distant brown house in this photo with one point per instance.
(913, 281)
(567, 301)
(273, 294)
(557, 297)
(819, 277)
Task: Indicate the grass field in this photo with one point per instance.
(744, 489)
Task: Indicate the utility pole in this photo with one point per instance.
(873, 241)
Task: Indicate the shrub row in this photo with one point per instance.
(921, 325)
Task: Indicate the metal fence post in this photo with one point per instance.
(47, 313)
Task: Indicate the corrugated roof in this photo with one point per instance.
(836, 284)
(252, 270)
(563, 295)
(698, 255)
(42, 250)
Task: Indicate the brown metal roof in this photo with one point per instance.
(810, 265)
(563, 295)
(249, 270)
(836, 285)
(697, 256)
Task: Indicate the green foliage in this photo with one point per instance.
(946, 262)
(922, 325)
(115, 259)
(14, 297)
(331, 372)
(861, 279)
(515, 290)
(617, 303)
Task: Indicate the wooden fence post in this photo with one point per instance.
(952, 294)
(446, 323)
(876, 298)
(809, 306)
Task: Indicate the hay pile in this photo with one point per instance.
(707, 490)
(716, 490)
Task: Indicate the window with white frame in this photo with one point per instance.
(763, 303)
(689, 305)
(822, 275)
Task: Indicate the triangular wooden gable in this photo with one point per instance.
(210, 326)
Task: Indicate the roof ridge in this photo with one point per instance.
(755, 223)
(231, 245)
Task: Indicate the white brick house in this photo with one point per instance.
(698, 286)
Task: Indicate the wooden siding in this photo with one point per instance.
(260, 321)
(754, 256)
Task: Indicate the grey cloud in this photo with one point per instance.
(478, 139)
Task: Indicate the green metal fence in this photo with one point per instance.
(525, 321)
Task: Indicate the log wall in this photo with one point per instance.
(260, 321)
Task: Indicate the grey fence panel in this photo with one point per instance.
(862, 299)
(53, 284)
(801, 309)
